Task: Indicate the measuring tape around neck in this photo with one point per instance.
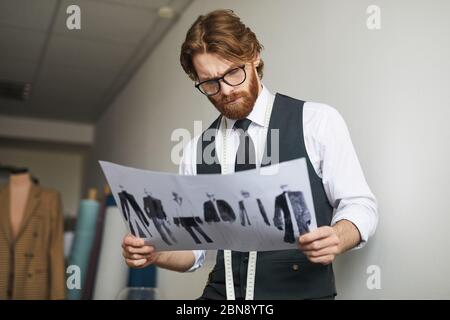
(251, 268)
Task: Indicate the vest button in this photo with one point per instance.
(295, 267)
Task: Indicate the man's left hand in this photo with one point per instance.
(320, 245)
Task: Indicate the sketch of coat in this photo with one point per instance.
(301, 214)
(226, 212)
(154, 210)
(243, 212)
(127, 200)
(191, 224)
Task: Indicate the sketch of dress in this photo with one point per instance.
(155, 211)
(190, 224)
(217, 210)
(285, 203)
(136, 228)
(248, 202)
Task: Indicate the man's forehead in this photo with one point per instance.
(208, 65)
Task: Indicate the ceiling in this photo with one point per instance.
(75, 74)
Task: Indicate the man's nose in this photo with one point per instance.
(225, 88)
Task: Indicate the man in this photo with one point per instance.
(127, 200)
(190, 224)
(155, 211)
(222, 56)
(249, 203)
(290, 207)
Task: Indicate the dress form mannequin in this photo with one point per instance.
(31, 240)
(20, 186)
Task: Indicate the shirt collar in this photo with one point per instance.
(258, 113)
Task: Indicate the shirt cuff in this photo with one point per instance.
(199, 259)
(364, 218)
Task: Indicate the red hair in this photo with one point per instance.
(221, 32)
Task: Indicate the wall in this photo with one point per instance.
(390, 85)
(58, 169)
(55, 152)
(47, 130)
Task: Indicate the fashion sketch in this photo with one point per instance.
(217, 210)
(291, 210)
(154, 210)
(190, 224)
(137, 221)
(247, 202)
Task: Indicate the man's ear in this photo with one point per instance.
(257, 60)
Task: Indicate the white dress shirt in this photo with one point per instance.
(329, 148)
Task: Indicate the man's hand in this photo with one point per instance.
(320, 245)
(136, 253)
(325, 243)
(139, 255)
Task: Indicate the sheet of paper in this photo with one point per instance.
(245, 211)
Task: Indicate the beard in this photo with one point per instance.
(238, 109)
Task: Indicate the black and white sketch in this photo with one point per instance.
(190, 224)
(213, 211)
(137, 221)
(291, 210)
(217, 210)
(155, 211)
(251, 204)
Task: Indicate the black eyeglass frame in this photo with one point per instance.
(223, 79)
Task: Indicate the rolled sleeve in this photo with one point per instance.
(343, 178)
(362, 213)
(199, 260)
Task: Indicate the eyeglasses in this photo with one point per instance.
(234, 77)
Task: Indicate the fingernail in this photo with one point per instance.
(140, 262)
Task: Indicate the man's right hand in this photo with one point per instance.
(136, 253)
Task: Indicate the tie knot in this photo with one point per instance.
(242, 124)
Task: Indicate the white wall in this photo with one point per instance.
(48, 130)
(54, 151)
(60, 170)
(390, 85)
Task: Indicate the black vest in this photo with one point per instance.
(283, 274)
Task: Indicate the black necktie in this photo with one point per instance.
(245, 155)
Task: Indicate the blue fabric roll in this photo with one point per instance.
(83, 241)
(145, 277)
(110, 202)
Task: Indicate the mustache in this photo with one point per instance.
(231, 97)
